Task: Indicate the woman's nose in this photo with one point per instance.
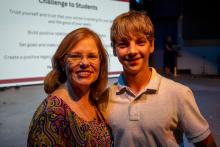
(84, 62)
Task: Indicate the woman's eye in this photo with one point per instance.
(75, 56)
(92, 56)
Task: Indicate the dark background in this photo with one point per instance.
(194, 26)
(200, 18)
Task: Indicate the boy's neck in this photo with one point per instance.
(137, 82)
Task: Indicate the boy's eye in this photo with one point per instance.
(141, 42)
(122, 45)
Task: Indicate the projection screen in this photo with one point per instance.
(31, 31)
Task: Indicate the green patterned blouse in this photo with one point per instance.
(55, 124)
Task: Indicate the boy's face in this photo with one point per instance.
(134, 53)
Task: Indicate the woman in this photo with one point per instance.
(68, 116)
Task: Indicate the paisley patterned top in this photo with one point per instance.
(55, 124)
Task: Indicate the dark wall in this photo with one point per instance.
(194, 26)
(201, 20)
(164, 14)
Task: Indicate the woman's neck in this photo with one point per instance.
(77, 93)
(79, 102)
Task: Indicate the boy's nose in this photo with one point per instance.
(132, 48)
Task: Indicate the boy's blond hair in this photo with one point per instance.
(131, 23)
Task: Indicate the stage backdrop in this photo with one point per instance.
(31, 31)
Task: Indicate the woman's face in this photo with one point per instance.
(83, 63)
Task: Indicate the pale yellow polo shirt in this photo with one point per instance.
(158, 116)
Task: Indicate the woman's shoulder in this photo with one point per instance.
(51, 112)
(51, 105)
(55, 104)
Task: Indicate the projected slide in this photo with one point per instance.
(31, 31)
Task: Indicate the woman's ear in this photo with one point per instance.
(62, 65)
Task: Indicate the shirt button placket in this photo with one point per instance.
(133, 111)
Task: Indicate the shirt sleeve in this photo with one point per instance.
(194, 125)
(48, 128)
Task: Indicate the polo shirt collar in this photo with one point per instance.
(151, 88)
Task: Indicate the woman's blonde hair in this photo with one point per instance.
(57, 75)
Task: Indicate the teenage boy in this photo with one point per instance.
(144, 108)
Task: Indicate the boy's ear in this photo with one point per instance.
(114, 49)
(152, 47)
(114, 52)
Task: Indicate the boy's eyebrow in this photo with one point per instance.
(122, 40)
